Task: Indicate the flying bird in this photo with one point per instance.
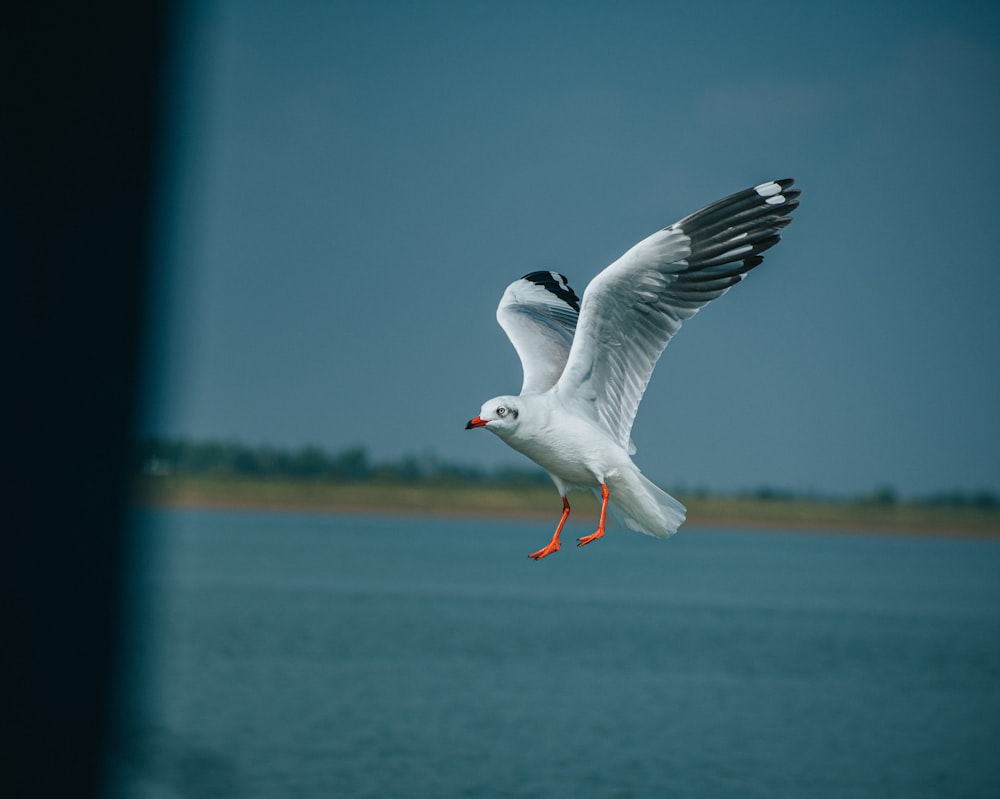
(586, 363)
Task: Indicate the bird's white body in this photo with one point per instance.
(578, 454)
(571, 448)
(586, 365)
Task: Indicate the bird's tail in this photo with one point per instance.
(639, 505)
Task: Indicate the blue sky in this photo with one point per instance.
(348, 187)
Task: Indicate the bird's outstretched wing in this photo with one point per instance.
(633, 308)
(538, 313)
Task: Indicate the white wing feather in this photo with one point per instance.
(538, 313)
(631, 310)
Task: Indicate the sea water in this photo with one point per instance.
(312, 655)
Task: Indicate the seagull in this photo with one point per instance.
(586, 363)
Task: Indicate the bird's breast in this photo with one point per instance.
(573, 450)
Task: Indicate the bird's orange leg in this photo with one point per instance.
(553, 545)
(599, 532)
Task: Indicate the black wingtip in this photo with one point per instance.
(556, 284)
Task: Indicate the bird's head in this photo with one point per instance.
(498, 415)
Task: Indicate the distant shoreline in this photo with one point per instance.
(261, 494)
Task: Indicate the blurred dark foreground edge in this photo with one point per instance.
(81, 99)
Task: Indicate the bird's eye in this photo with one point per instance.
(501, 411)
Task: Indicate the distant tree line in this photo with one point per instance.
(984, 500)
(182, 456)
(887, 496)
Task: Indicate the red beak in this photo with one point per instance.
(477, 422)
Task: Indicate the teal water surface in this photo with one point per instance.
(310, 655)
